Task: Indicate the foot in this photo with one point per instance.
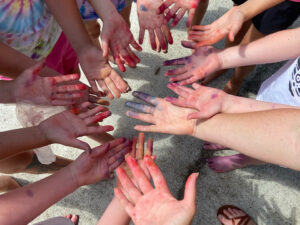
(7, 183)
(73, 218)
(213, 146)
(233, 216)
(223, 164)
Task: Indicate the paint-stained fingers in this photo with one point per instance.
(77, 144)
(101, 101)
(135, 44)
(119, 148)
(93, 85)
(167, 33)
(178, 17)
(141, 35)
(191, 14)
(161, 38)
(66, 78)
(134, 142)
(120, 155)
(117, 58)
(149, 147)
(128, 185)
(92, 112)
(140, 146)
(141, 116)
(140, 107)
(96, 93)
(189, 44)
(100, 150)
(179, 61)
(172, 12)
(146, 98)
(191, 190)
(152, 39)
(166, 4)
(105, 45)
(157, 176)
(127, 57)
(118, 162)
(201, 27)
(133, 56)
(180, 90)
(176, 71)
(105, 89)
(96, 118)
(143, 182)
(117, 142)
(112, 87)
(66, 96)
(71, 88)
(124, 201)
(142, 128)
(180, 77)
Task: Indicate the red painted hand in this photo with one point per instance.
(144, 202)
(200, 64)
(227, 25)
(208, 101)
(164, 116)
(100, 163)
(178, 10)
(64, 128)
(29, 87)
(97, 70)
(156, 25)
(117, 37)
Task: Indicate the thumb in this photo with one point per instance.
(190, 17)
(79, 144)
(190, 190)
(105, 45)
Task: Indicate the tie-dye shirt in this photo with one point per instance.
(28, 26)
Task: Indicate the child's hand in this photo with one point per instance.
(100, 163)
(200, 64)
(64, 128)
(208, 101)
(227, 25)
(116, 37)
(180, 6)
(155, 206)
(164, 116)
(156, 25)
(29, 87)
(97, 70)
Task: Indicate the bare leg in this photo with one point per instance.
(199, 13)
(222, 164)
(7, 184)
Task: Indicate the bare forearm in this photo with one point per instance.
(275, 47)
(6, 92)
(20, 140)
(271, 136)
(104, 8)
(28, 202)
(114, 214)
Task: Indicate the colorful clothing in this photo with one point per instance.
(28, 27)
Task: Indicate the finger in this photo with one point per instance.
(151, 128)
(117, 142)
(66, 78)
(172, 13)
(140, 107)
(140, 116)
(117, 149)
(127, 185)
(188, 44)
(112, 87)
(149, 147)
(180, 77)
(176, 71)
(91, 112)
(96, 130)
(201, 27)
(164, 6)
(161, 38)
(105, 89)
(145, 97)
(116, 55)
(180, 90)
(190, 190)
(127, 205)
(133, 152)
(128, 59)
(190, 17)
(70, 88)
(118, 158)
(66, 96)
(152, 39)
(190, 80)
(167, 33)
(178, 102)
(105, 45)
(143, 182)
(140, 146)
(101, 101)
(141, 35)
(157, 176)
(135, 44)
(117, 163)
(97, 118)
(96, 93)
(133, 56)
(93, 85)
(178, 17)
(179, 61)
(100, 150)
(78, 144)
(119, 82)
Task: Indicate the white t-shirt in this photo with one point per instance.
(283, 86)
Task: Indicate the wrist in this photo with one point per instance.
(72, 174)
(43, 134)
(245, 11)
(227, 102)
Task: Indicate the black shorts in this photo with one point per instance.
(277, 18)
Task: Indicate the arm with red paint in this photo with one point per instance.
(230, 23)
(142, 204)
(63, 128)
(116, 35)
(156, 25)
(94, 65)
(206, 60)
(88, 168)
(177, 11)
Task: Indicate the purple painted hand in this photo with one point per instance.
(97, 70)
(227, 25)
(156, 25)
(164, 116)
(29, 87)
(64, 128)
(100, 163)
(142, 204)
(178, 10)
(201, 63)
(117, 37)
(208, 101)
